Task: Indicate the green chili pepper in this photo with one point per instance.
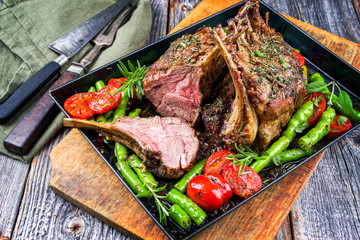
(121, 152)
(135, 113)
(101, 118)
(140, 169)
(319, 131)
(305, 73)
(180, 216)
(290, 155)
(352, 114)
(92, 89)
(195, 212)
(130, 177)
(196, 170)
(300, 117)
(99, 85)
(276, 148)
(120, 110)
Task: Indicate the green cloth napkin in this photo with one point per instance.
(25, 34)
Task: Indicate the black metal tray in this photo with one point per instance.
(318, 59)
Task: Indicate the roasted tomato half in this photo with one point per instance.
(217, 161)
(116, 82)
(340, 125)
(224, 185)
(206, 193)
(319, 107)
(244, 184)
(300, 58)
(78, 105)
(105, 99)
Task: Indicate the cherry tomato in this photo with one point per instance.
(205, 193)
(78, 105)
(340, 125)
(223, 184)
(116, 82)
(300, 58)
(217, 162)
(319, 107)
(105, 99)
(245, 185)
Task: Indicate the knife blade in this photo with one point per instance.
(29, 129)
(67, 46)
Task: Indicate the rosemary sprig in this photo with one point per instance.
(244, 158)
(162, 209)
(134, 77)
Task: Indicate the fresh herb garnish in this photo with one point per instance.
(258, 53)
(341, 120)
(134, 78)
(302, 127)
(283, 63)
(244, 158)
(316, 86)
(162, 209)
(227, 30)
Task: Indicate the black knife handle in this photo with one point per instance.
(23, 137)
(27, 90)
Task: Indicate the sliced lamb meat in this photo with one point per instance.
(177, 83)
(265, 68)
(167, 146)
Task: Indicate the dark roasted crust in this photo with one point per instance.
(268, 69)
(194, 55)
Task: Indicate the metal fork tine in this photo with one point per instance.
(104, 40)
(111, 34)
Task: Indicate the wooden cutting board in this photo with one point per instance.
(80, 176)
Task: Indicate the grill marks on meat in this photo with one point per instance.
(270, 81)
(177, 83)
(167, 146)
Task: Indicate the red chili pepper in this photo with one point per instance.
(299, 57)
(245, 184)
(105, 99)
(217, 161)
(340, 125)
(319, 107)
(78, 105)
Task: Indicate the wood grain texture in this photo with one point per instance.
(45, 215)
(159, 25)
(61, 219)
(179, 9)
(102, 194)
(328, 208)
(12, 183)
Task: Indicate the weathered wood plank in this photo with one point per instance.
(328, 208)
(45, 215)
(356, 4)
(331, 200)
(337, 17)
(13, 176)
(178, 10)
(284, 232)
(160, 16)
